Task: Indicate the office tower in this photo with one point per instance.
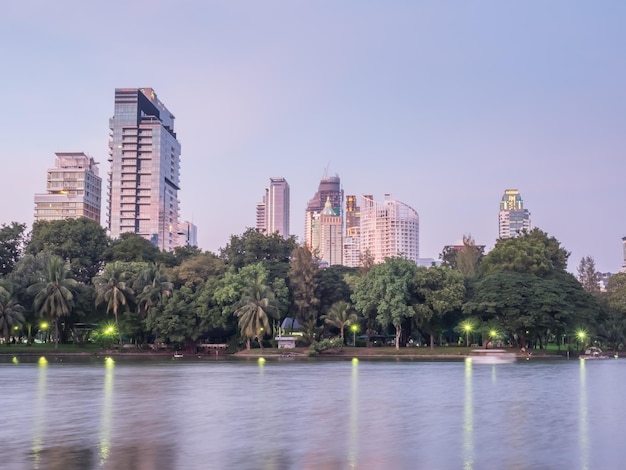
(389, 228)
(272, 213)
(331, 237)
(513, 217)
(145, 163)
(74, 189)
(329, 189)
(187, 234)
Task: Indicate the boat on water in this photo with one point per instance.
(178, 354)
(593, 353)
(492, 356)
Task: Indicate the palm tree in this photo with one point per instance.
(11, 313)
(111, 288)
(53, 293)
(152, 285)
(340, 315)
(256, 304)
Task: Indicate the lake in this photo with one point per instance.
(120, 413)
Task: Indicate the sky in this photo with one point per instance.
(443, 104)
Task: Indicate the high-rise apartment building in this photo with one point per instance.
(272, 214)
(145, 164)
(513, 219)
(74, 189)
(329, 190)
(388, 228)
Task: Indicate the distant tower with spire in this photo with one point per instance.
(331, 236)
(330, 193)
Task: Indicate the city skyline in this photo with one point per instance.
(445, 105)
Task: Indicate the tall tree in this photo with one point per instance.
(151, 286)
(440, 290)
(80, 241)
(113, 290)
(340, 315)
(11, 244)
(53, 293)
(588, 275)
(131, 247)
(11, 313)
(255, 308)
(534, 252)
(388, 290)
(303, 283)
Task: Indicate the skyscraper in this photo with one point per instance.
(329, 190)
(74, 189)
(272, 214)
(145, 164)
(389, 228)
(513, 217)
(330, 250)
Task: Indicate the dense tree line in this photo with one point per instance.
(71, 275)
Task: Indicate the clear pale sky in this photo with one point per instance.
(443, 104)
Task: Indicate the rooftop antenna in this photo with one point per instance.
(325, 176)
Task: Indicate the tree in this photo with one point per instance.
(11, 313)
(151, 285)
(331, 286)
(303, 283)
(252, 247)
(53, 293)
(176, 320)
(196, 270)
(440, 290)
(11, 244)
(112, 289)
(465, 258)
(131, 247)
(587, 274)
(82, 242)
(255, 307)
(340, 315)
(532, 252)
(387, 289)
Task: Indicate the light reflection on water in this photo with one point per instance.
(312, 414)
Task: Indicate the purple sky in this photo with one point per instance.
(443, 104)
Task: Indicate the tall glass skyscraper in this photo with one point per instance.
(143, 180)
(513, 218)
(272, 215)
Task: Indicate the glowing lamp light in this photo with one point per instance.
(43, 362)
(261, 361)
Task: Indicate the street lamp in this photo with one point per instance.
(44, 327)
(467, 327)
(354, 329)
(581, 335)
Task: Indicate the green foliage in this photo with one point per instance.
(54, 293)
(533, 253)
(131, 247)
(252, 247)
(466, 259)
(11, 312)
(331, 286)
(588, 275)
(387, 289)
(340, 315)
(303, 283)
(82, 241)
(12, 239)
(324, 345)
(113, 290)
(177, 320)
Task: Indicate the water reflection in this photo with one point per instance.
(583, 423)
(40, 410)
(106, 415)
(468, 419)
(353, 440)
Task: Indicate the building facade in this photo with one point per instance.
(513, 218)
(187, 234)
(388, 228)
(329, 190)
(143, 180)
(74, 189)
(272, 214)
(330, 250)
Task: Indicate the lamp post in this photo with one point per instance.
(581, 334)
(354, 329)
(468, 328)
(44, 327)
